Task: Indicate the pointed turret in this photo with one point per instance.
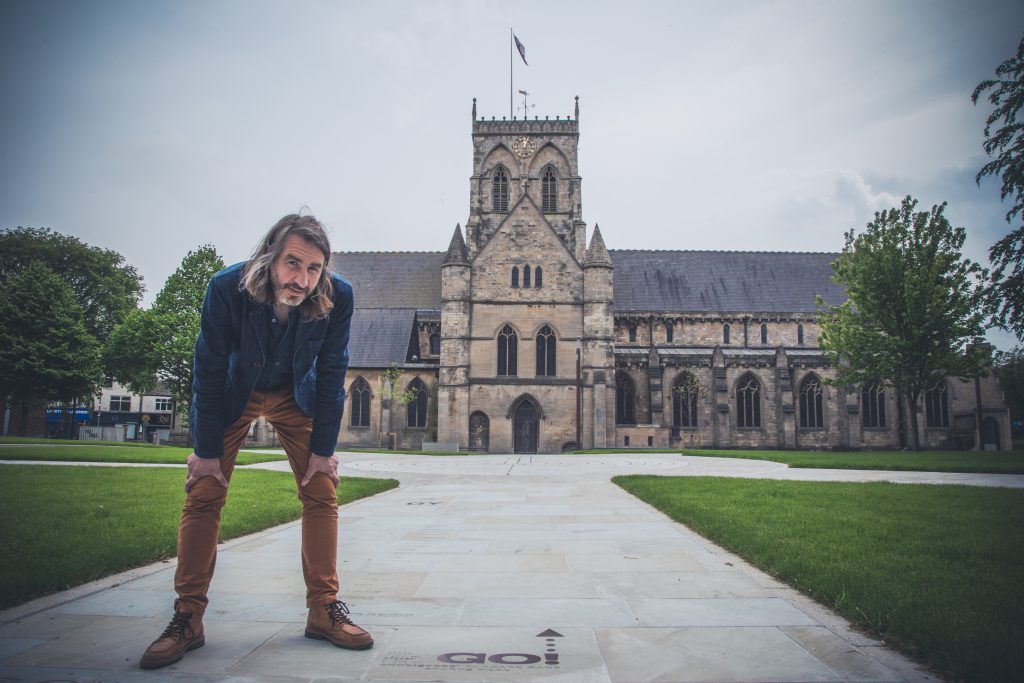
(458, 253)
(597, 253)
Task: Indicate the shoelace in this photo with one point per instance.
(338, 612)
(176, 629)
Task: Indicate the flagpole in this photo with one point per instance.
(510, 62)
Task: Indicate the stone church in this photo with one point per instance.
(528, 336)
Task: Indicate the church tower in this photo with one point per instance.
(535, 158)
(514, 313)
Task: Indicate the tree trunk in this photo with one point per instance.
(24, 419)
(915, 444)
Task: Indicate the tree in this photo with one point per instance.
(1005, 144)
(1009, 369)
(392, 397)
(690, 388)
(158, 345)
(914, 304)
(106, 288)
(46, 351)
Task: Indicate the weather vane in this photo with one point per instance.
(525, 108)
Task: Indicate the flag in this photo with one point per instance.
(521, 48)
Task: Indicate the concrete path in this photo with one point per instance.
(495, 568)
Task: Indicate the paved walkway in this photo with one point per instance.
(495, 568)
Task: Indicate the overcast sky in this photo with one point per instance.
(154, 127)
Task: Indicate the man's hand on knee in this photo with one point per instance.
(203, 467)
(319, 463)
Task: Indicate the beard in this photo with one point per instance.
(290, 295)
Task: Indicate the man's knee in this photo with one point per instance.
(206, 493)
(319, 491)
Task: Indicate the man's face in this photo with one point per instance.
(296, 271)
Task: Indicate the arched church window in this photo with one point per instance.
(725, 333)
(748, 402)
(435, 345)
(800, 335)
(872, 405)
(764, 333)
(936, 406)
(625, 399)
(669, 332)
(538, 276)
(360, 411)
(499, 191)
(526, 276)
(632, 333)
(515, 276)
(508, 347)
(545, 352)
(812, 409)
(549, 191)
(416, 409)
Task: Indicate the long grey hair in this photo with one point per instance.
(256, 278)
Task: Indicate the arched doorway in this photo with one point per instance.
(479, 432)
(990, 433)
(525, 428)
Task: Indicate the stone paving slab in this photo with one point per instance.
(496, 568)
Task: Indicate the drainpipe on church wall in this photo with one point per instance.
(579, 395)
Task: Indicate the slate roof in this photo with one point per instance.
(644, 280)
(380, 336)
(722, 281)
(392, 279)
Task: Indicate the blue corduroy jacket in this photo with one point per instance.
(231, 350)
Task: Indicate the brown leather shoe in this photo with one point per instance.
(328, 622)
(184, 633)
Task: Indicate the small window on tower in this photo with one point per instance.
(538, 276)
(515, 276)
(549, 191)
(499, 191)
(526, 276)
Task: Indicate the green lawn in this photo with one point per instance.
(87, 452)
(1005, 462)
(937, 571)
(104, 520)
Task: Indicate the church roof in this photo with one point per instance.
(458, 253)
(597, 253)
(644, 280)
(380, 336)
(722, 281)
(392, 279)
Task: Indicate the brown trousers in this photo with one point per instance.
(200, 517)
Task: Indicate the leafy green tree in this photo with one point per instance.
(158, 345)
(1009, 369)
(46, 351)
(915, 303)
(105, 287)
(393, 397)
(1004, 142)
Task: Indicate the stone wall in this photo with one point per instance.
(708, 330)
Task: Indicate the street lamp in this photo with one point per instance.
(579, 395)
